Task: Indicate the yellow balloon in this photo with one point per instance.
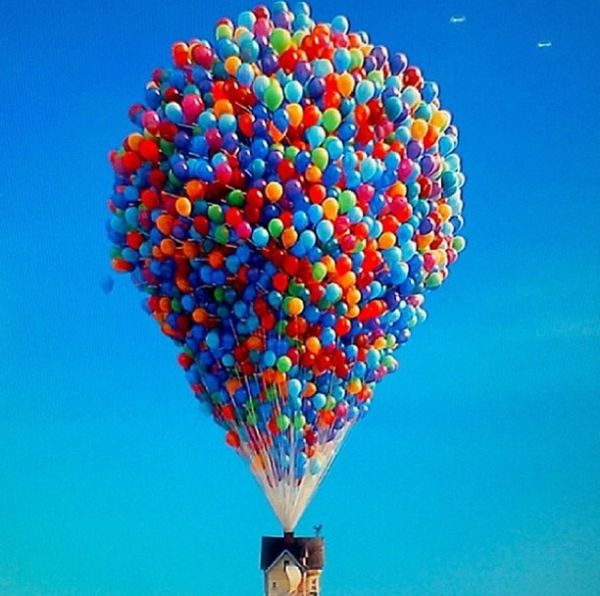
(354, 386)
(330, 208)
(445, 211)
(295, 113)
(345, 84)
(441, 119)
(232, 64)
(313, 345)
(353, 312)
(380, 343)
(353, 296)
(295, 306)
(418, 130)
(387, 240)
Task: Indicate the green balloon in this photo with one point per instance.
(236, 198)
(459, 243)
(319, 271)
(331, 119)
(291, 152)
(294, 288)
(284, 364)
(434, 280)
(299, 421)
(215, 213)
(376, 76)
(251, 418)
(273, 97)
(389, 362)
(320, 158)
(275, 227)
(176, 305)
(222, 234)
(174, 180)
(280, 40)
(223, 32)
(356, 58)
(283, 422)
(166, 147)
(347, 200)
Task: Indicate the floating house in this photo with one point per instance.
(292, 565)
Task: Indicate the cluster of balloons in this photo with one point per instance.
(288, 197)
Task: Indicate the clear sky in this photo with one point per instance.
(477, 471)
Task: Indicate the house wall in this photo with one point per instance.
(277, 582)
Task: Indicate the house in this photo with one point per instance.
(292, 565)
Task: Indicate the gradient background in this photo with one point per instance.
(478, 470)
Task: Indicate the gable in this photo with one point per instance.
(279, 559)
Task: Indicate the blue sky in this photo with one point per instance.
(477, 471)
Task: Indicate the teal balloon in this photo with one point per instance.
(368, 169)
(342, 59)
(245, 75)
(364, 92)
(293, 91)
(315, 136)
(325, 230)
(393, 108)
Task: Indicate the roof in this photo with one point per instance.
(309, 552)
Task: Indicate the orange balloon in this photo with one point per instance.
(194, 189)
(313, 174)
(254, 343)
(200, 316)
(216, 260)
(295, 113)
(310, 389)
(313, 345)
(190, 250)
(222, 106)
(353, 296)
(289, 237)
(165, 223)
(183, 206)
(345, 84)
(274, 191)
(167, 247)
(387, 240)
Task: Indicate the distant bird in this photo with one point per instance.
(544, 44)
(318, 529)
(460, 19)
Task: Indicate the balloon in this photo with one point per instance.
(288, 197)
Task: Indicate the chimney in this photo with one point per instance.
(288, 538)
